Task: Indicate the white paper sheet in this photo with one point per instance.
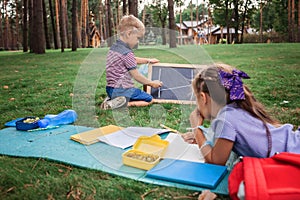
(128, 136)
(180, 150)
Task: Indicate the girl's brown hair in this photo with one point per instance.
(208, 81)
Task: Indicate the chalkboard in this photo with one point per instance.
(177, 79)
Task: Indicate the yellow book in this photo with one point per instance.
(91, 137)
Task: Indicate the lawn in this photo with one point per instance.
(36, 85)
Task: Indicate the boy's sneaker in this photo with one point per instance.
(117, 102)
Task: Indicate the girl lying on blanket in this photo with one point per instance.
(239, 123)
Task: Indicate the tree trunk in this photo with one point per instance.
(74, 25)
(83, 23)
(57, 22)
(289, 21)
(62, 25)
(236, 21)
(48, 45)
(172, 25)
(244, 19)
(31, 26)
(53, 25)
(108, 23)
(78, 31)
(261, 22)
(17, 26)
(6, 27)
(25, 26)
(298, 39)
(133, 5)
(293, 22)
(114, 23)
(163, 34)
(101, 25)
(39, 40)
(66, 23)
(87, 27)
(124, 8)
(227, 21)
(1, 32)
(117, 13)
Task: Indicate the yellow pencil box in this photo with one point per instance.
(146, 152)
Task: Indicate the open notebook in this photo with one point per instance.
(187, 172)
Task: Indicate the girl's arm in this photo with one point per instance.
(217, 154)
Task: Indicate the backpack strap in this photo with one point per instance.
(255, 182)
(288, 158)
(235, 178)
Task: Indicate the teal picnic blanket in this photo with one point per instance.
(55, 144)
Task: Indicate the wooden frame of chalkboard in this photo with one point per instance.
(176, 78)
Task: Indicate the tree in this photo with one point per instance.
(39, 36)
(236, 20)
(275, 18)
(84, 27)
(57, 22)
(133, 7)
(62, 25)
(74, 25)
(108, 23)
(25, 26)
(124, 8)
(235, 12)
(53, 25)
(227, 20)
(298, 21)
(292, 22)
(48, 46)
(101, 21)
(6, 26)
(160, 15)
(191, 12)
(221, 12)
(244, 18)
(172, 25)
(67, 24)
(31, 32)
(1, 32)
(16, 31)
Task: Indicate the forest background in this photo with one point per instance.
(37, 25)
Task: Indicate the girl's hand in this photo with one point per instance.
(196, 118)
(189, 137)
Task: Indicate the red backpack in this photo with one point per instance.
(276, 178)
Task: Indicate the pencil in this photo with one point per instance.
(172, 130)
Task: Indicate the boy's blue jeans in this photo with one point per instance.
(131, 94)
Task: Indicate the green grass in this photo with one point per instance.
(36, 85)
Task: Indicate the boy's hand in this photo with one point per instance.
(153, 60)
(156, 84)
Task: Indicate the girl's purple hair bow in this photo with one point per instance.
(233, 82)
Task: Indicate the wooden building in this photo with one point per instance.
(94, 35)
(210, 34)
(187, 31)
